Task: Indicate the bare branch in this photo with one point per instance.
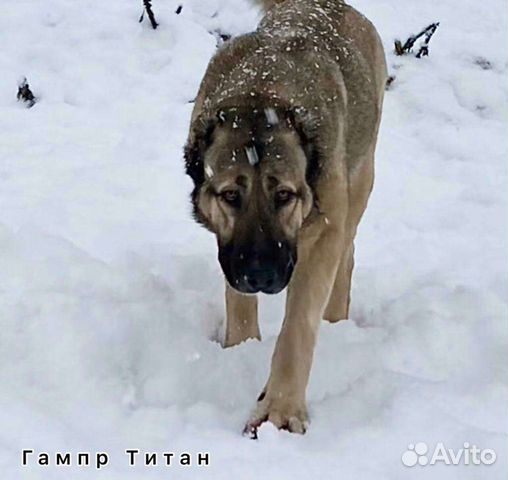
(148, 9)
(25, 94)
(423, 51)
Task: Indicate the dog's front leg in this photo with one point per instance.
(241, 317)
(282, 402)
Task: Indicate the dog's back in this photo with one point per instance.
(332, 31)
(315, 54)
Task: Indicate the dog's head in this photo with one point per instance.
(253, 172)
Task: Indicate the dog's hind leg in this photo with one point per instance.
(338, 303)
(241, 317)
(361, 182)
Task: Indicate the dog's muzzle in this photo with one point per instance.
(263, 268)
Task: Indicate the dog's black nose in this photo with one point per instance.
(257, 268)
(259, 278)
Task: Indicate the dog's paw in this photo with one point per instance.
(284, 413)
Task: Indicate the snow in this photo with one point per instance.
(111, 297)
(252, 155)
(271, 116)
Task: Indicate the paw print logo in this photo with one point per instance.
(415, 454)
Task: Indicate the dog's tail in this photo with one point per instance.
(267, 4)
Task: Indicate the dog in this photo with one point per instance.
(281, 153)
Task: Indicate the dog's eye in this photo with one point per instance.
(232, 197)
(282, 197)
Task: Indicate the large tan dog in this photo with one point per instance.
(281, 152)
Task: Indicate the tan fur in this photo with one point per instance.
(321, 63)
(242, 315)
(222, 174)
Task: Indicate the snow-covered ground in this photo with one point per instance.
(110, 294)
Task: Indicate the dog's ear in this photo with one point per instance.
(200, 138)
(307, 127)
